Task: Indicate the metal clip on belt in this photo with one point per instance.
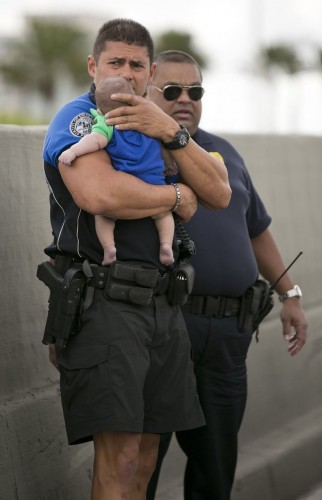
(207, 305)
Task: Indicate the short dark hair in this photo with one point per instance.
(175, 56)
(123, 30)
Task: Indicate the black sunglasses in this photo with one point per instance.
(172, 92)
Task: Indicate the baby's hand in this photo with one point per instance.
(67, 157)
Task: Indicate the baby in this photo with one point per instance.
(130, 151)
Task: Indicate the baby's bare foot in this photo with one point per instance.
(109, 255)
(166, 254)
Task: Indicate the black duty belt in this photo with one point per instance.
(208, 305)
(100, 276)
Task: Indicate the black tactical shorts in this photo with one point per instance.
(129, 369)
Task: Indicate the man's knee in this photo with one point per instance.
(116, 457)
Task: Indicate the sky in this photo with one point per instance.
(228, 32)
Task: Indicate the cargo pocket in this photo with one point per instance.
(85, 382)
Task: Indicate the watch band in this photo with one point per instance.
(294, 292)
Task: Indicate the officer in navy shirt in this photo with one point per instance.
(233, 246)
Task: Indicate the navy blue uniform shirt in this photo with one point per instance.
(225, 263)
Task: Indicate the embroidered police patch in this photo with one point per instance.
(81, 125)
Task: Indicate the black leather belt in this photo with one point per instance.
(208, 305)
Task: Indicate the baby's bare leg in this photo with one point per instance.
(165, 226)
(105, 233)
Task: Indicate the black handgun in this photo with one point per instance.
(48, 274)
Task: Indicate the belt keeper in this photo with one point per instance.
(213, 306)
(99, 276)
(222, 307)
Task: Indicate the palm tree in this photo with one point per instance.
(179, 41)
(54, 51)
(48, 51)
(280, 56)
(277, 64)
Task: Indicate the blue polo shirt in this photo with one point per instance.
(74, 229)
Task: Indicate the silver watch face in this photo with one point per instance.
(294, 292)
(297, 291)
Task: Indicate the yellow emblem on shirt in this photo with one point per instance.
(218, 155)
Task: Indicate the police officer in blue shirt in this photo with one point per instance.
(126, 374)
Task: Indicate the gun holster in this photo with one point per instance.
(255, 305)
(64, 304)
(266, 304)
(181, 283)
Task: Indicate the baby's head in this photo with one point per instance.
(110, 86)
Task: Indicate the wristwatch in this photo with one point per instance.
(294, 292)
(180, 140)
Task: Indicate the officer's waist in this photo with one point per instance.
(216, 306)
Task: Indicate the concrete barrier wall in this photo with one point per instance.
(35, 461)
(281, 437)
(282, 423)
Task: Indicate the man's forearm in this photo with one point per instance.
(270, 262)
(99, 189)
(205, 174)
(136, 200)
